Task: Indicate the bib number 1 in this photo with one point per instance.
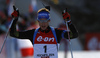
(45, 48)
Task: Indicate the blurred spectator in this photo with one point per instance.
(33, 25)
(2, 22)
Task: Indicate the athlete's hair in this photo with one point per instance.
(43, 9)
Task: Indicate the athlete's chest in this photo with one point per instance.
(45, 38)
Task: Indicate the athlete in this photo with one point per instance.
(45, 39)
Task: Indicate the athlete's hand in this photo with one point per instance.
(15, 12)
(66, 16)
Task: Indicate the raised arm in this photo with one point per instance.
(19, 34)
(73, 32)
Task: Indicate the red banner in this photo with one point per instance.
(92, 41)
(27, 52)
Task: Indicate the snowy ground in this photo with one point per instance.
(80, 54)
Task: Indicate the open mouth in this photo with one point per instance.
(43, 26)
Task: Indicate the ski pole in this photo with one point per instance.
(13, 1)
(69, 40)
(6, 36)
(66, 16)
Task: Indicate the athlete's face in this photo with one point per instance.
(43, 23)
